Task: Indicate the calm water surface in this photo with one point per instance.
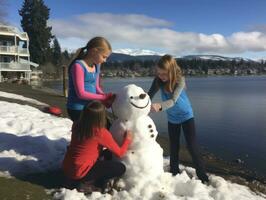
(230, 115)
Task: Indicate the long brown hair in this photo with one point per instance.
(92, 117)
(168, 63)
(99, 43)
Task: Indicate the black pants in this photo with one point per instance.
(74, 114)
(103, 171)
(174, 131)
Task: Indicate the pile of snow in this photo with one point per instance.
(33, 141)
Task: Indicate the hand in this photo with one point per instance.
(109, 99)
(128, 135)
(156, 107)
(108, 95)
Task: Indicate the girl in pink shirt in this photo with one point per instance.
(84, 77)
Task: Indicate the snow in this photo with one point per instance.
(33, 141)
(217, 58)
(144, 158)
(20, 97)
(137, 52)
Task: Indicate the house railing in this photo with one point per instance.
(13, 49)
(23, 51)
(14, 66)
(8, 49)
(13, 30)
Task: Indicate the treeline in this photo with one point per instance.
(189, 67)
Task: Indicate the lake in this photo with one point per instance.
(230, 114)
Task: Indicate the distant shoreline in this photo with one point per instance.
(187, 76)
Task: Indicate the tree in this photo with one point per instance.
(34, 21)
(57, 56)
(56, 53)
(65, 58)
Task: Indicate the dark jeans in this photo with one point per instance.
(104, 170)
(73, 114)
(174, 131)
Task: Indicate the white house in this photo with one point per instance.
(14, 52)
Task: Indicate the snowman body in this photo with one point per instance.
(144, 158)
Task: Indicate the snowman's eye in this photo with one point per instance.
(131, 97)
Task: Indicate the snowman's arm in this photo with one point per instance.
(106, 140)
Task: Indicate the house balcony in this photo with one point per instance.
(10, 50)
(12, 31)
(14, 66)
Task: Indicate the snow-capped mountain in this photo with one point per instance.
(216, 58)
(137, 52)
(143, 54)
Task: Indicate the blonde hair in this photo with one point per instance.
(174, 72)
(99, 43)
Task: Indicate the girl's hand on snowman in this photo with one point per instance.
(109, 99)
(156, 107)
(128, 135)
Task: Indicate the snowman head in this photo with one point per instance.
(131, 102)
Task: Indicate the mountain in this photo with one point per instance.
(215, 57)
(137, 52)
(119, 57)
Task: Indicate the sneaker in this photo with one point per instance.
(88, 188)
(70, 184)
(203, 177)
(175, 171)
(119, 185)
(108, 186)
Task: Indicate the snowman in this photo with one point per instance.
(144, 158)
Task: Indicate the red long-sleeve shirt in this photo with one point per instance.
(82, 155)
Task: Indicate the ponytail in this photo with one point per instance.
(80, 54)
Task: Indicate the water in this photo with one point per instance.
(230, 115)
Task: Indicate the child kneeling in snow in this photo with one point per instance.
(81, 165)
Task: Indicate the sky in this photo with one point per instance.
(178, 27)
(28, 135)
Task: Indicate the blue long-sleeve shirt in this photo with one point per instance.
(176, 103)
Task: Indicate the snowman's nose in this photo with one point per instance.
(142, 96)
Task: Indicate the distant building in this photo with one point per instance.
(14, 53)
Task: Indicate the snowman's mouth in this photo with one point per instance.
(140, 107)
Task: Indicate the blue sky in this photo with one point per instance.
(179, 27)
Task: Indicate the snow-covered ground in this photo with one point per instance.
(33, 141)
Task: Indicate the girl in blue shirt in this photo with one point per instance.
(175, 101)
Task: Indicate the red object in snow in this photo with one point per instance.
(54, 110)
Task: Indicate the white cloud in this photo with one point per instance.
(143, 32)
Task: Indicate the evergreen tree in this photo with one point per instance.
(57, 57)
(56, 53)
(34, 21)
(65, 58)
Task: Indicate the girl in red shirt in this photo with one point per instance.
(81, 164)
